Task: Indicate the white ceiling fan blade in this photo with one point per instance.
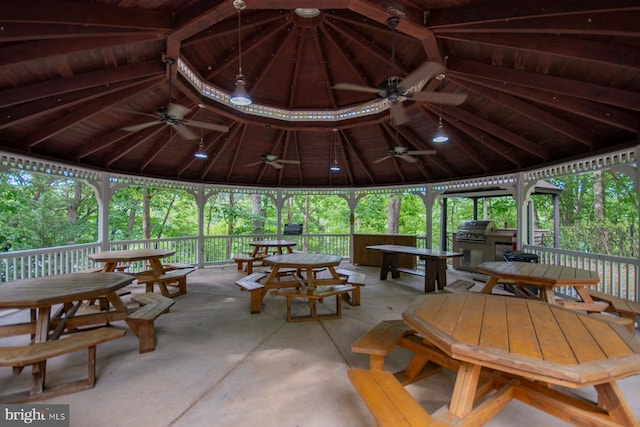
(440, 98)
(357, 88)
(423, 72)
(295, 162)
(185, 132)
(408, 158)
(398, 113)
(205, 125)
(135, 128)
(177, 110)
(382, 159)
(275, 164)
(421, 152)
(254, 164)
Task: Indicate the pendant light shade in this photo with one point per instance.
(200, 153)
(240, 96)
(335, 167)
(440, 136)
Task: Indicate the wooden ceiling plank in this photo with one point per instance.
(324, 71)
(501, 133)
(358, 156)
(60, 86)
(592, 51)
(257, 42)
(192, 20)
(39, 50)
(567, 102)
(498, 10)
(407, 26)
(608, 23)
(485, 140)
(212, 161)
(114, 154)
(543, 118)
(358, 39)
(564, 86)
(21, 113)
(90, 107)
(234, 162)
(338, 46)
(85, 14)
(20, 32)
(297, 66)
(208, 143)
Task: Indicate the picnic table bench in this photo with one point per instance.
(38, 354)
(623, 307)
(142, 320)
(313, 295)
(176, 278)
(250, 283)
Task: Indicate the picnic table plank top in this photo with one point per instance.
(130, 255)
(303, 260)
(540, 274)
(57, 289)
(411, 250)
(526, 337)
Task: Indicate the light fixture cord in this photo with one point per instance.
(239, 44)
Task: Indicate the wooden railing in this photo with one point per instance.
(618, 275)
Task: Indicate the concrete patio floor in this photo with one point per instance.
(215, 364)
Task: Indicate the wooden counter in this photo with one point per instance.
(363, 256)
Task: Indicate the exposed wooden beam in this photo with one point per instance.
(60, 86)
(531, 112)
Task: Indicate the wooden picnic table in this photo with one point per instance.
(548, 278)
(68, 291)
(304, 276)
(264, 247)
(436, 264)
(505, 348)
(112, 258)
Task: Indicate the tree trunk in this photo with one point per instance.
(166, 216)
(393, 214)
(146, 214)
(257, 220)
(72, 213)
(598, 196)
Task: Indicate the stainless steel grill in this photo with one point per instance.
(474, 231)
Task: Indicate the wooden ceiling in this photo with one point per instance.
(546, 81)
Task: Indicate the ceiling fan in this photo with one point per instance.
(173, 115)
(405, 154)
(396, 89)
(274, 161)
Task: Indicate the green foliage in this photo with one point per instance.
(35, 210)
(45, 211)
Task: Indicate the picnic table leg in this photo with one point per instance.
(311, 286)
(156, 266)
(436, 273)
(464, 390)
(611, 398)
(389, 264)
(488, 287)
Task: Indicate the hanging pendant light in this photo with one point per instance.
(440, 136)
(240, 96)
(200, 153)
(335, 167)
